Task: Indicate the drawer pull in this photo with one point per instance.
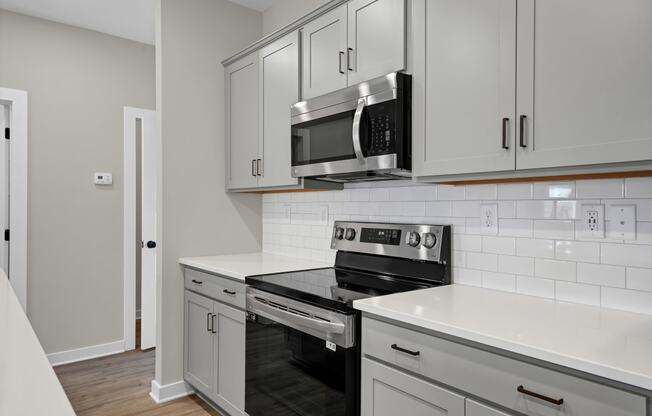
(197, 282)
(229, 292)
(412, 353)
(522, 390)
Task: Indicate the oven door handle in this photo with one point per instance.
(296, 319)
(357, 119)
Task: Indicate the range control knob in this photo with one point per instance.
(413, 239)
(350, 234)
(429, 240)
(339, 233)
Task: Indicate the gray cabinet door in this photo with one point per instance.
(241, 94)
(279, 89)
(584, 82)
(389, 392)
(474, 408)
(376, 38)
(230, 358)
(464, 86)
(199, 360)
(323, 43)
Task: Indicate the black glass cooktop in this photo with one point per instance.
(332, 288)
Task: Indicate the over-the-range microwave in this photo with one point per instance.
(359, 133)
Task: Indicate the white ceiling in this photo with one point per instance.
(129, 19)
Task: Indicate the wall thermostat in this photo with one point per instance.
(103, 178)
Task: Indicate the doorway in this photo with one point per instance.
(13, 189)
(140, 244)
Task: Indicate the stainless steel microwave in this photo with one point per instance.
(360, 133)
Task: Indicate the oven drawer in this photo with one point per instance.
(220, 288)
(493, 377)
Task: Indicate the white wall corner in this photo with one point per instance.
(167, 392)
(86, 353)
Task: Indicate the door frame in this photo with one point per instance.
(17, 100)
(129, 222)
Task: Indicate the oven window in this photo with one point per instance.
(290, 373)
(323, 140)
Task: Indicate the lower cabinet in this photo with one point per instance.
(214, 351)
(388, 392)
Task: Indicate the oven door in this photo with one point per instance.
(292, 373)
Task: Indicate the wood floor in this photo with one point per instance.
(119, 385)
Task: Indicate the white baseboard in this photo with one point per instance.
(161, 394)
(86, 353)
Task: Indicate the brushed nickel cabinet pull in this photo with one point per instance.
(522, 390)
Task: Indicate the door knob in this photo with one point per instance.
(151, 244)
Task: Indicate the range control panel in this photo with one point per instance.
(412, 241)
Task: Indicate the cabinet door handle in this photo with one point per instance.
(412, 353)
(213, 324)
(348, 59)
(522, 130)
(253, 167)
(197, 282)
(259, 169)
(208, 322)
(339, 67)
(229, 292)
(522, 390)
(505, 125)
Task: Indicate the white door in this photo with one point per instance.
(464, 86)
(376, 39)
(148, 231)
(4, 186)
(584, 82)
(323, 42)
(241, 85)
(279, 86)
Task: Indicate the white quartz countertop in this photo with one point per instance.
(28, 385)
(608, 343)
(239, 266)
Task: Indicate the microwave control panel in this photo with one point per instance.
(382, 133)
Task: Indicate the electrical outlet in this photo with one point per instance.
(592, 223)
(322, 214)
(489, 219)
(622, 222)
(287, 214)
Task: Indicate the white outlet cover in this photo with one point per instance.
(322, 213)
(622, 223)
(489, 219)
(591, 214)
(287, 214)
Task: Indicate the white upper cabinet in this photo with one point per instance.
(324, 53)
(464, 86)
(376, 39)
(584, 82)
(279, 89)
(241, 94)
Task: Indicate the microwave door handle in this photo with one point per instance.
(357, 119)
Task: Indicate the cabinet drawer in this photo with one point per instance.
(494, 377)
(216, 287)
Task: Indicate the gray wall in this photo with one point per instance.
(78, 82)
(283, 12)
(197, 216)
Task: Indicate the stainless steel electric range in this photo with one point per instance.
(303, 335)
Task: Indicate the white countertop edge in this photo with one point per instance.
(590, 367)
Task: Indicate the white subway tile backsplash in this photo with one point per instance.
(639, 279)
(638, 188)
(577, 293)
(601, 274)
(535, 252)
(627, 300)
(543, 288)
(553, 190)
(577, 251)
(555, 269)
(535, 209)
(499, 281)
(600, 189)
